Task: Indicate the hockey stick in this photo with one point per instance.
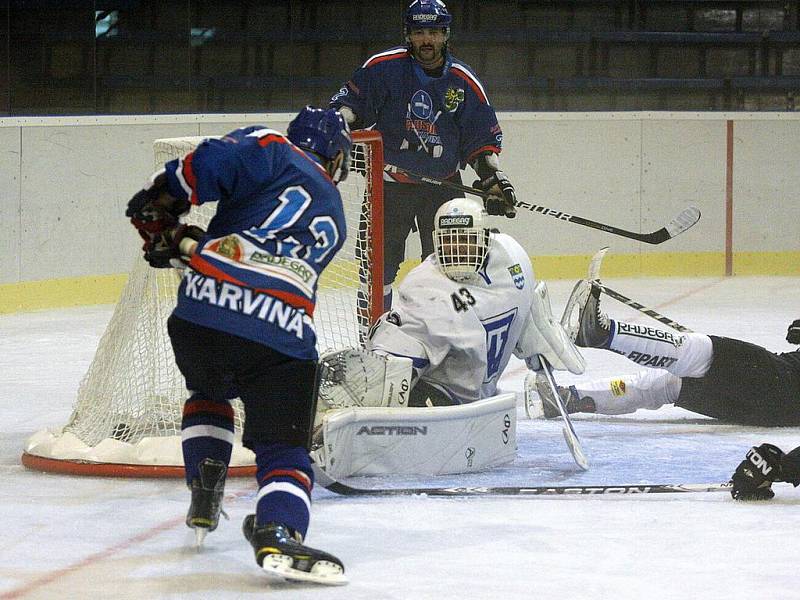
(594, 277)
(684, 220)
(570, 437)
(642, 308)
(343, 489)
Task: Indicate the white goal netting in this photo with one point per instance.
(129, 404)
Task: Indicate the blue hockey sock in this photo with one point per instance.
(206, 432)
(285, 481)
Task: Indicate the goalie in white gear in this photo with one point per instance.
(457, 319)
(466, 309)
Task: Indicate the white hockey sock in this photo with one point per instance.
(684, 355)
(650, 389)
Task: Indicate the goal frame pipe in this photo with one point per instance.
(376, 213)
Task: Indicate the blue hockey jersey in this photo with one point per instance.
(430, 125)
(279, 222)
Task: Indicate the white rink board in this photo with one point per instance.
(10, 208)
(631, 170)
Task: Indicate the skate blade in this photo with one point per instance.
(200, 534)
(322, 572)
(534, 407)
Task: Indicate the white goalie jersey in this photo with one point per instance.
(460, 336)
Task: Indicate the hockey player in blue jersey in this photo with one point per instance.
(435, 118)
(243, 323)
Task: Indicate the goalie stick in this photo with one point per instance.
(684, 220)
(343, 489)
(570, 437)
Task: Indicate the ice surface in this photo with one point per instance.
(65, 537)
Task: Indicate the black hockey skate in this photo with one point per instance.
(280, 553)
(207, 492)
(594, 327)
(569, 398)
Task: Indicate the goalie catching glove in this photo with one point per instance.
(762, 466)
(544, 335)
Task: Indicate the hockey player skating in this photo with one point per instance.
(725, 378)
(435, 117)
(457, 319)
(242, 326)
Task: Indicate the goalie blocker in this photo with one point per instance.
(364, 425)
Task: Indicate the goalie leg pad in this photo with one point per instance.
(420, 441)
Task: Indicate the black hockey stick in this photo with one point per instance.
(642, 308)
(594, 277)
(550, 490)
(684, 220)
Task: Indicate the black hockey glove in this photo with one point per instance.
(754, 476)
(153, 210)
(502, 198)
(793, 335)
(164, 250)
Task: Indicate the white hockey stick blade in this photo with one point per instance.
(686, 219)
(579, 295)
(570, 437)
(594, 264)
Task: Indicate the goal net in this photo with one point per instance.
(126, 419)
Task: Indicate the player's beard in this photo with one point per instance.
(429, 56)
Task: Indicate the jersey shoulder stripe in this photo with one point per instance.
(462, 71)
(391, 54)
(186, 178)
(270, 136)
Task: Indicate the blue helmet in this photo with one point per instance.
(427, 14)
(324, 132)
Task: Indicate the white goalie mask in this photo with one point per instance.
(460, 238)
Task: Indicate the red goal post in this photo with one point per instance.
(126, 418)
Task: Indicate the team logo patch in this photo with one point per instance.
(617, 387)
(497, 332)
(453, 97)
(517, 275)
(421, 105)
(228, 247)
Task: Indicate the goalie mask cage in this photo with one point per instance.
(127, 416)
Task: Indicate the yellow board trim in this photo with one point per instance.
(58, 293)
(106, 289)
